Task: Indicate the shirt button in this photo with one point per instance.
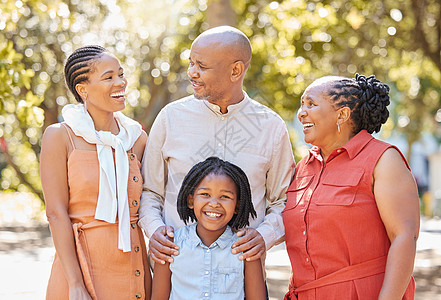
(339, 150)
(206, 272)
(137, 273)
(220, 144)
(304, 232)
(132, 156)
(208, 250)
(223, 118)
(135, 178)
(206, 294)
(307, 259)
(134, 203)
(138, 296)
(133, 225)
(136, 248)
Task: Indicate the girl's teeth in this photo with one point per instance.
(214, 215)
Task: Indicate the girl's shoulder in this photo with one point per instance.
(185, 233)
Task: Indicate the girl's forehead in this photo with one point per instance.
(217, 176)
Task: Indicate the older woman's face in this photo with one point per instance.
(318, 116)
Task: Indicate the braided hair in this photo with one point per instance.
(215, 165)
(79, 64)
(367, 97)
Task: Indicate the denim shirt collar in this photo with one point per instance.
(223, 241)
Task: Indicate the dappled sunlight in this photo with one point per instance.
(21, 209)
(294, 42)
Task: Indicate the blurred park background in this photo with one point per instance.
(294, 42)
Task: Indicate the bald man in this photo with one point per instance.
(219, 119)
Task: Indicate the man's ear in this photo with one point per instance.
(190, 201)
(238, 70)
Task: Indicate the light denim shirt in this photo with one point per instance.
(201, 272)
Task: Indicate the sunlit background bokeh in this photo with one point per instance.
(294, 42)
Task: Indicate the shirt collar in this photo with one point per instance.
(314, 152)
(353, 147)
(231, 108)
(357, 143)
(223, 241)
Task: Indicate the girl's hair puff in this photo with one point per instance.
(215, 165)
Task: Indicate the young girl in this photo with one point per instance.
(216, 194)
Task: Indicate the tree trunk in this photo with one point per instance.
(220, 12)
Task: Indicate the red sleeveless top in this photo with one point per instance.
(335, 238)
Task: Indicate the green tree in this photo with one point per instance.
(35, 37)
(294, 42)
(19, 118)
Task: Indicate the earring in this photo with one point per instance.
(85, 103)
(338, 127)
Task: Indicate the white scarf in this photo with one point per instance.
(112, 194)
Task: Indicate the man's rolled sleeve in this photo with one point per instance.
(154, 172)
(279, 176)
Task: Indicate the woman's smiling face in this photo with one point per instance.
(318, 116)
(106, 86)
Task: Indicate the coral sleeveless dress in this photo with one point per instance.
(108, 272)
(335, 238)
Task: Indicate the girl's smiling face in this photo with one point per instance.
(214, 204)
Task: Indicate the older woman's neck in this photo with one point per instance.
(341, 140)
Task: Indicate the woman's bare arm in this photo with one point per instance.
(53, 171)
(397, 200)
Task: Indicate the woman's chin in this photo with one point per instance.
(309, 140)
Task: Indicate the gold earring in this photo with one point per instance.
(85, 103)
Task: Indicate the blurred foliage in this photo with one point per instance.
(19, 118)
(294, 42)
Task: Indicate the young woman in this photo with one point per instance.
(90, 174)
(216, 194)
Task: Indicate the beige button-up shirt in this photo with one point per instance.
(189, 130)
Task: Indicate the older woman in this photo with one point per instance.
(352, 214)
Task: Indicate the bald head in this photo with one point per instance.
(229, 39)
